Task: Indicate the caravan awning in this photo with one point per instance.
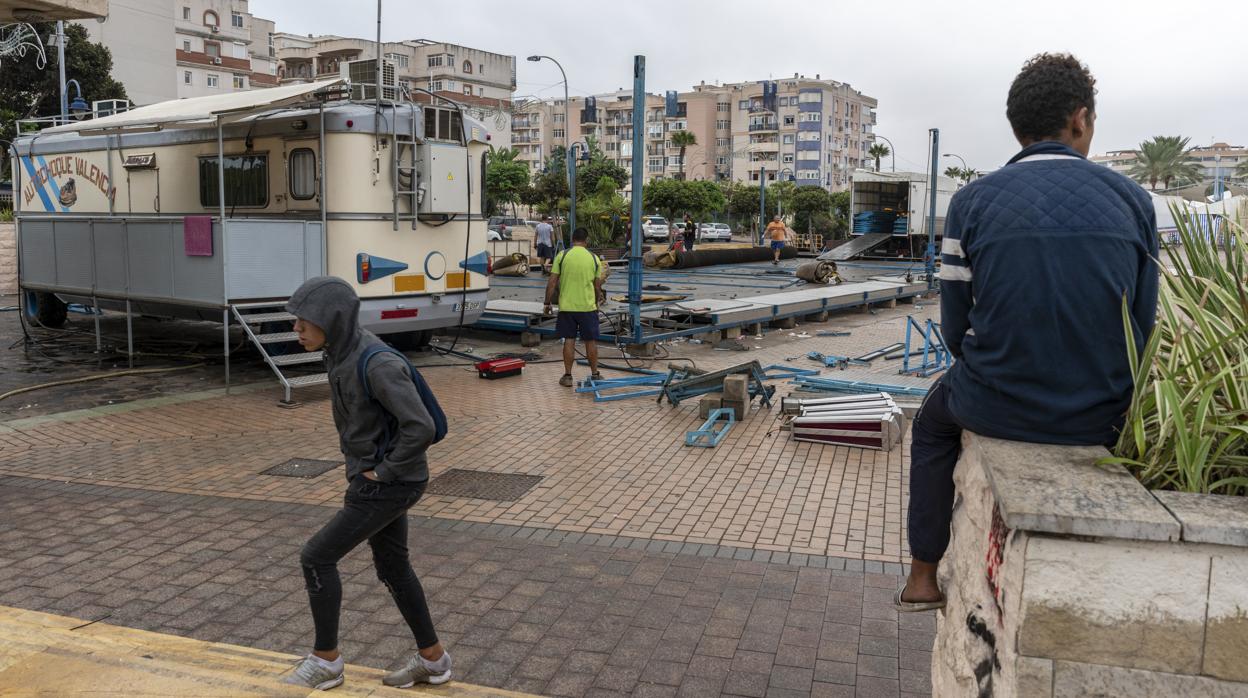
(197, 111)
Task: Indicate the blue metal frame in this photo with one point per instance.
(781, 371)
(936, 356)
(707, 436)
(834, 385)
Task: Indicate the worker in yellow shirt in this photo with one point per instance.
(576, 279)
(777, 232)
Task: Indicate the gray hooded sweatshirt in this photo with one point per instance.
(331, 304)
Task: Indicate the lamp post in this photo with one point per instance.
(780, 178)
(571, 157)
(959, 157)
(60, 66)
(567, 132)
(892, 151)
(79, 106)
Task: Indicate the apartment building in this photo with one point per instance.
(221, 47)
(217, 46)
(816, 132)
(1218, 158)
(481, 80)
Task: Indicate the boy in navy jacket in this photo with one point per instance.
(1036, 262)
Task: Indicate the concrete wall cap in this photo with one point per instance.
(1209, 518)
(1060, 489)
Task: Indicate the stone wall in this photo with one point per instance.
(1066, 578)
(8, 258)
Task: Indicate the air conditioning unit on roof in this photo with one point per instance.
(362, 77)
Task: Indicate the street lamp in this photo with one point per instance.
(78, 106)
(567, 131)
(955, 155)
(780, 178)
(892, 151)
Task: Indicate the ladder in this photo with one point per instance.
(252, 316)
(401, 169)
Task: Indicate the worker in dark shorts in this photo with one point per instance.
(691, 232)
(575, 284)
(545, 234)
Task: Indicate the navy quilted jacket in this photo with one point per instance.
(1036, 260)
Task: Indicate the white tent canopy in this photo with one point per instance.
(198, 110)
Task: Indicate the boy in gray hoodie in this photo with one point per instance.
(381, 486)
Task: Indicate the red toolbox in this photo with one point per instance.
(500, 368)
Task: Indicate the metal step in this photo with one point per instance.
(305, 381)
(274, 337)
(260, 318)
(292, 359)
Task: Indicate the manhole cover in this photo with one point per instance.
(302, 467)
(478, 484)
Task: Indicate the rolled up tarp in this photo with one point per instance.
(817, 272)
(514, 264)
(744, 255)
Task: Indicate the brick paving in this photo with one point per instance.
(634, 566)
(521, 608)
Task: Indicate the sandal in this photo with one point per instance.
(914, 606)
(566, 381)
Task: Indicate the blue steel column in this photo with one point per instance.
(762, 203)
(634, 253)
(931, 211)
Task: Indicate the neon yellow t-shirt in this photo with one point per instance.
(577, 268)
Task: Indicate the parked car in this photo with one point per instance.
(501, 225)
(709, 232)
(654, 228)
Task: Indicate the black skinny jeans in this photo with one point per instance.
(376, 512)
(936, 443)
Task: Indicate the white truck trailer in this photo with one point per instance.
(889, 213)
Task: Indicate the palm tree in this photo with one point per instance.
(1164, 159)
(877, 151)
(951, 172)
(682, 140)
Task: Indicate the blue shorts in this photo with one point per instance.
(545, 251)
(569, 324)
(777, 244)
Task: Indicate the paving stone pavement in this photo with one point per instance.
(549, 612)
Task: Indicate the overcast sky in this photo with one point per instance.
(930, 63)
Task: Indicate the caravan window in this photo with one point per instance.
(302, 174)
(246, 181)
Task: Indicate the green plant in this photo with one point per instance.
(877, 151)
(1187, 426)
(1165, 159)
(505, 179)
(682, 140)
(6, 215)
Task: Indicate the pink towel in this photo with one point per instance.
(197, 236)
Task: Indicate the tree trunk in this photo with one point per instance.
(682, 163)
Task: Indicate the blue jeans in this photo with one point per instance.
(375, 512)
(936, 443)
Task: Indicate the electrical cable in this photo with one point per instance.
(102, 376)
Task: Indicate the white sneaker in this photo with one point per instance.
(312, 672)
(419, 670)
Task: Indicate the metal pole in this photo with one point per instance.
(570, 154)
(931, 212)
(60, 61)
(129, 336)
(324, 203)
(378, 86)
(225, 320)
(635, 269)
(762, 202)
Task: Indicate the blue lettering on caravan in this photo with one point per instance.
(38, 187)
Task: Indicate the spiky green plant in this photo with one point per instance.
(1187, 426)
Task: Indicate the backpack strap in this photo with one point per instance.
(362, 368)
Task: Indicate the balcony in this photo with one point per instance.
(764, 126)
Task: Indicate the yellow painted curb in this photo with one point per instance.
(48, 655)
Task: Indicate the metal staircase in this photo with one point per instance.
(404, 191)
(252, 316)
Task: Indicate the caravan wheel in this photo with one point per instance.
(409, 341)
(44, 308)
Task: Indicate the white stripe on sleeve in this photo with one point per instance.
(950, 272)
(952, 246)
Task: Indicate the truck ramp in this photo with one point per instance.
(855, 247)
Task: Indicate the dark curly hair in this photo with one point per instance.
(1049, 88)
